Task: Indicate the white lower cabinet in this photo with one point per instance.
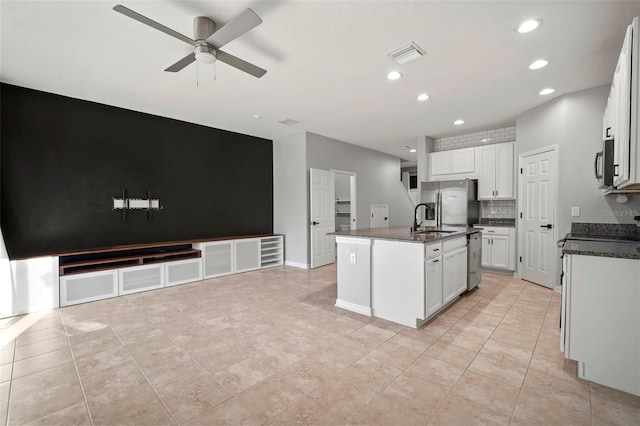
(246, 255)
(217, 258)
(87, 287)
(140, 278)
(498, 247)
(183, 271)
(601, 321)
(446, 274)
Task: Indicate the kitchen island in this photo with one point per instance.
(400, 275)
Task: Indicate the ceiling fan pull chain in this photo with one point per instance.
(197, 74)
(214, 70)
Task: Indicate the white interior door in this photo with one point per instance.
(323, 220)
(538, 183)
(379, 215)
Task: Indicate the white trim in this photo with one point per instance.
(353, 240)
(554, 254)
(353, 307)
(296, 264)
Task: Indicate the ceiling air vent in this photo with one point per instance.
(288, 121)
(407, 53)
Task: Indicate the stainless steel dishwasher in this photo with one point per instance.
(474, 260)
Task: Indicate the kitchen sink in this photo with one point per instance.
(434, 231)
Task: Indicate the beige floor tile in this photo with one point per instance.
(5, 372)
(512, 336)
(307, 374)
(306, 411)
(342, 396)
(373, 373)
(413, 339)
(91, 363)
(419, 396)
(191, 395)
(610, 406)
(139, 413)
(395, 355)
(386, 411)
(36, 336)
(6, 356)
(45, 323)
(63, 374)
(539, 408)
(486, 308)
(336, 356)
(451, 353)
(434, 370)
(41, 362)
(43, 403)
(464, 339)
(41, 347)
(501, 362)
(269, 398)
(468, 325)
(459, 411)
(230, 412)
(247, 373)
(488, 392)
(75, 327)
(217, 358)
(4, 410)
(74, 415)
(4, 391)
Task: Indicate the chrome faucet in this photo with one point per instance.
(427, 206)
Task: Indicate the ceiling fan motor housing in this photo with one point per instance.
(203, 27)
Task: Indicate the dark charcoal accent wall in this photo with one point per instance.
(64, 159)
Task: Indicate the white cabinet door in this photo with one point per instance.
(463, 161)
(81, 288)
(217, 258)
(449, 277)
(487, 176)
(433, 291)
(246, 254)
(460, 270)
(621, 85)
(140, 278)
(440, 163)
(183, 271)
(500, 251)
(486, 250)
(504, 171)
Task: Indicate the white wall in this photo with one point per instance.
(290, 215)
(574, 123)
(378, 177)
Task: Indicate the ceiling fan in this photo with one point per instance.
(208, 41)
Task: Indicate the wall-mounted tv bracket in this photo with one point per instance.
(149, 204)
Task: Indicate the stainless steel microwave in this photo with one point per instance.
(604, 166)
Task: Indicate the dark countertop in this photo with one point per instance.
(503, 223)
(403, 233)
(621, 250)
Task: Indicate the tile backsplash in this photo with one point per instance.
(486, 137)
(498, 209)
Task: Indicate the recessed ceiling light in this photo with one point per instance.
(529, 25)
(257, 116)
(546, 91)
(394, 75)
(458, 122)
(423, 97)
(412, 150)
(540, 63)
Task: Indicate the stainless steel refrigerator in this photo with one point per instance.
(451, 202)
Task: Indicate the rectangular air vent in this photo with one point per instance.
(288, 121)
(407, 53)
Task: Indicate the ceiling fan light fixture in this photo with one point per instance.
(540, 63)
(205, 55)
(394, 75)
(528, 26)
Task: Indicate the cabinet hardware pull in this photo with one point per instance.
(436, 249)
(436, 261)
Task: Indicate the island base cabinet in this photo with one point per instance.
(433, 303)
(454, 274)
(354, 274)
(397, 274)
(601, 320)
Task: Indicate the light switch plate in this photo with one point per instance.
(575, 211)
(352, 257)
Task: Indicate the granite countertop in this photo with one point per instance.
(623, 249)
(403, 233)
(504, 223)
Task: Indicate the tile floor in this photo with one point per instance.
(269, 347)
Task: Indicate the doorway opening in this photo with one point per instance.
(345, 192)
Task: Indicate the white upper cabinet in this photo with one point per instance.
(453, 162)
(495, 181)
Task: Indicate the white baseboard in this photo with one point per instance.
(296, 264)
(353, 307)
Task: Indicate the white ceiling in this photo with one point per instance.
(326, 60)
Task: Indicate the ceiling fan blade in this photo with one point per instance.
(150, 22)
(234, 28)
(182, 63)
(240, 64)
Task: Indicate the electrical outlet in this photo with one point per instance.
(352, 258)
(575, 211)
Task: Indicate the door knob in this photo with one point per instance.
(315, 223)
(548, 226)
